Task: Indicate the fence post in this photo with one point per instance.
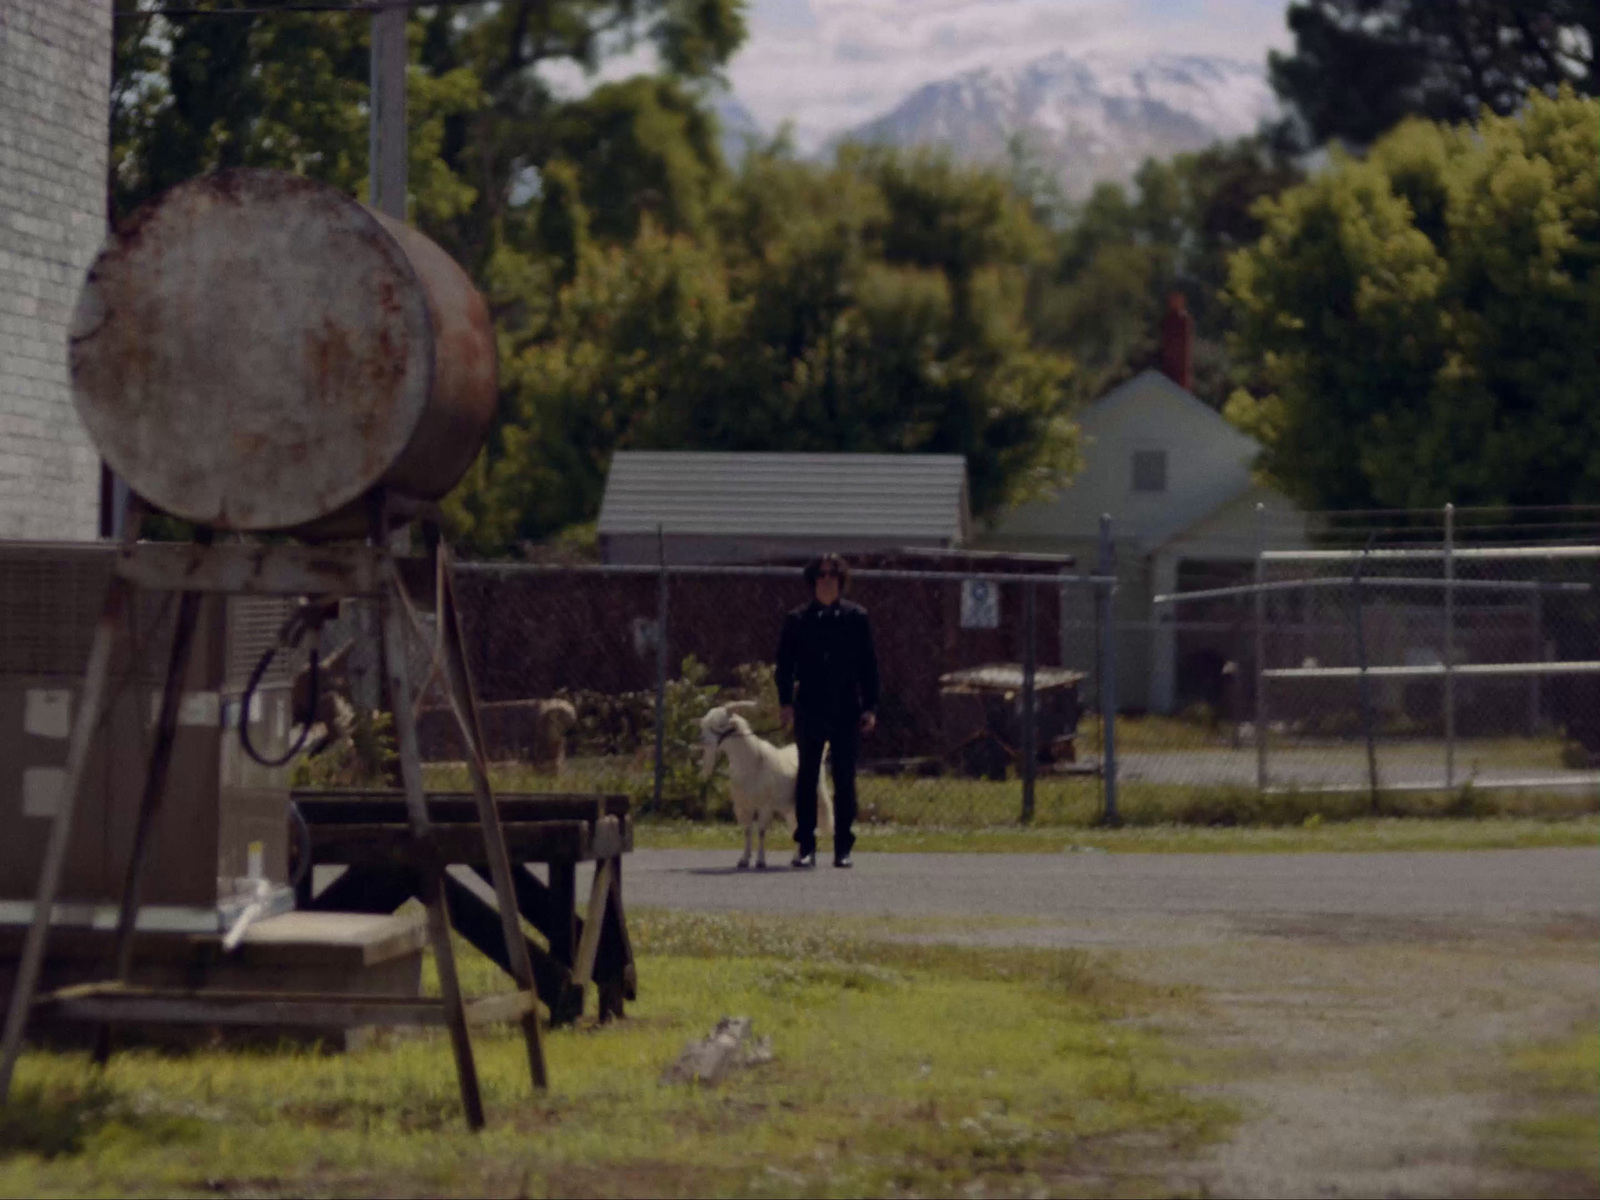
(1449, 645)
(1104, 606)
(1365, 678)
(1030, 727)
(1261, 649)
(661, 664)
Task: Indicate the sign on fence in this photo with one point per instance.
(980, 604)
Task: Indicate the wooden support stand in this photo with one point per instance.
(360, 831)
(324, 573)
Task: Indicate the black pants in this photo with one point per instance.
(843, 734)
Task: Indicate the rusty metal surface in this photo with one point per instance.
(254, 350)
(245, 569)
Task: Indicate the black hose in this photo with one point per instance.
(255, 681)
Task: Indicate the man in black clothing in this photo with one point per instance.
(828, 688)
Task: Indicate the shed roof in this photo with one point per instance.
(893, 496)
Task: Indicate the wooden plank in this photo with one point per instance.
(589, 945)
(366, 889)
(423, 851)
(376, 845)
(615, 958)
(495, 849)
(255, 570)
(475, 919)
(502, 1009)
(384, 808)
(101, 1003)
(607, 841)
(565, 928)
(540, 908)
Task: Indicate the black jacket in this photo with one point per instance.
(827, 665)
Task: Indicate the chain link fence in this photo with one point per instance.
(1389, 653)
(981, 721)
(1333, 663)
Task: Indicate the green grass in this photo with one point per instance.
(1076, 802)
(948, 814)
(932, 1070)
(1559, 1136)
(1313, 835)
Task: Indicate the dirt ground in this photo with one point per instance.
(1367, 1054)
(1360, 1010)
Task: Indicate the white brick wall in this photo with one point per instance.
(55, 79)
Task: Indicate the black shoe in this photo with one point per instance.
(803, 860)
(843, 862)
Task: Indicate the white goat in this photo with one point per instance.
(762, 776)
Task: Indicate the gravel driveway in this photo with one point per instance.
(1357, 1009)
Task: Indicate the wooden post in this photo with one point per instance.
(1449, 645)
(1105, 600)
(563, 919)
(494, 841)
(661, 667)
(1030, 707)
(1261, 649)
(386, 106)
(432, 870)
(155, 781)
(90, 701)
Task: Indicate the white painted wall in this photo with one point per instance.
(1208, 511)
(55, 80)
(1208, 463)
(1229, 532)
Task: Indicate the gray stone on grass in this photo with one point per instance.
(729, 1048)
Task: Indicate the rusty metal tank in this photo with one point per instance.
(257, 351)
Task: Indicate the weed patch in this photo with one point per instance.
(1558, 1133)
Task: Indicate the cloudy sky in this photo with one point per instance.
(829, 64)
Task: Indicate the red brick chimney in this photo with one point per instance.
(1177, 342)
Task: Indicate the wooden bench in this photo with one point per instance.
(366, 832)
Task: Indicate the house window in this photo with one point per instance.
(1149, 470)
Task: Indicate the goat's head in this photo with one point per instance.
(716, 727)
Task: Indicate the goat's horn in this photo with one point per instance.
(734, 706)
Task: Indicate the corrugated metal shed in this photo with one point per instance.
(906, 497)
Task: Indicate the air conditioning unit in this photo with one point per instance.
(220, 841)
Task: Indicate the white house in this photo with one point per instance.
(1175, 478)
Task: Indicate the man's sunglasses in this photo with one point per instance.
(828, 574)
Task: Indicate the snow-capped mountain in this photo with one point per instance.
(1094, 117)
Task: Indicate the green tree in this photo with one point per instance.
(240, 87)
(641, 295)
(283, 90)
(1123, 252)
(1425, 317)
(1359, 66)
(876, 305)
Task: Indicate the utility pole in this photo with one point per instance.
(386, 142)
(386, 192)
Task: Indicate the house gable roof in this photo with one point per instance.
(892, 496)
(1208, 466)
(1153, 383)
